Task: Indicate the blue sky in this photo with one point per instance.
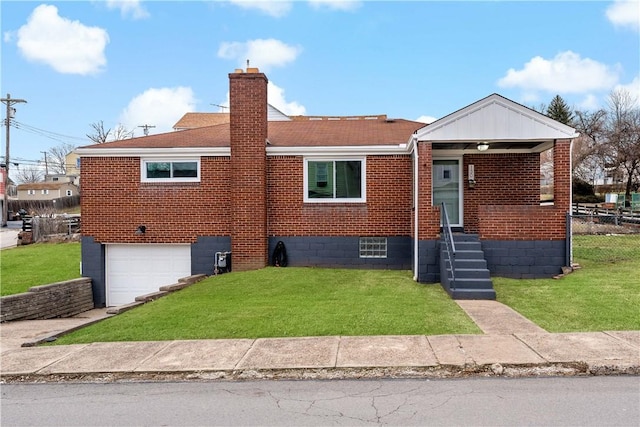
(148, 62)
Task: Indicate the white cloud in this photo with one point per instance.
(426, 119)
(633, 88)
(262, 53)
(275, 97)
(567, 72)
(625, 13)
(67, 46)
(275, 8)
(590, 102)
(132, 8)
(341, 5)
(159, 107)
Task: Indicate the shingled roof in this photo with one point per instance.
(297, 133)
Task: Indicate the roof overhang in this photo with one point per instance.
(351, 150)
(154, 152)
(505, 125)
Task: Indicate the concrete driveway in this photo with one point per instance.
(9, 234)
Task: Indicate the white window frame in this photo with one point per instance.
(69, 193)
(31, 192)
(143, 169)
(363, 179)
(44, 191)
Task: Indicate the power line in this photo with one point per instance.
(46, 133)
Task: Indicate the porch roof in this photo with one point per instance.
(504, 124)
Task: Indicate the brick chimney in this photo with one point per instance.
(248, 114)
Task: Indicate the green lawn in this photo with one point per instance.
(289, 302)
(37, 264)
(603, 295)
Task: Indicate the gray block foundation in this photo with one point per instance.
(428, 261)
(532, 259)
(342, 252)
(203, 253)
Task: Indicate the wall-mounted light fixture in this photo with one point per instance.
(483, 146)
(141, 230)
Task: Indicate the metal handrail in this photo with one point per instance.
(450, 244)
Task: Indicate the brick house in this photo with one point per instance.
(357, 192)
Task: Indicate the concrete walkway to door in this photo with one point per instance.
(496, 318)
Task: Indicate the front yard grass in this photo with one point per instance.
(289, 302)
(603, 295)
(38, 264)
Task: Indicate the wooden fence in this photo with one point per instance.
(38, 206)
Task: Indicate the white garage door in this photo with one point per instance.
(134, 270)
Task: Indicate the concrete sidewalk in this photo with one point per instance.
(515, 351)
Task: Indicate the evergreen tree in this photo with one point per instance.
(559, 110)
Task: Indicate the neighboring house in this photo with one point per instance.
(46, 190)
(360, 192)
(59, 178)
(72, 163)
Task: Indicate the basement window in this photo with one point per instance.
(334, 180)
(373, 247)
(183, 170)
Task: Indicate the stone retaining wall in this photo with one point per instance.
(62, 299)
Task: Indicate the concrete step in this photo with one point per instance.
(463, 237)
(468, 246)
(472, 263)
(472, 254)
(472, 273)
(485, 294)
(472, 283)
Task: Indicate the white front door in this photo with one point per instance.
(134, 270)
(447, 188)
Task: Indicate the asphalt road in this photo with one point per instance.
(584, 401)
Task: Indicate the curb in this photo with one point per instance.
(495, 370)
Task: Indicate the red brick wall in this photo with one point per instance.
(501, 179)
(562, 175)
(248, 115)
(501, 222)
(386, 213)
(428, 215)
(523, 218)
(115, 202)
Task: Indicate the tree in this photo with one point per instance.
(623, 135)
(100, 135)
(57, 158)
(587, 163)
(28, 174)
(560, 111)
(609, 142)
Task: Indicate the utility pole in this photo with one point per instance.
(46, 165)
(10, 113)
(146, 129)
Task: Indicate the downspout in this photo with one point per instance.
(415, 210)
(570, 222)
